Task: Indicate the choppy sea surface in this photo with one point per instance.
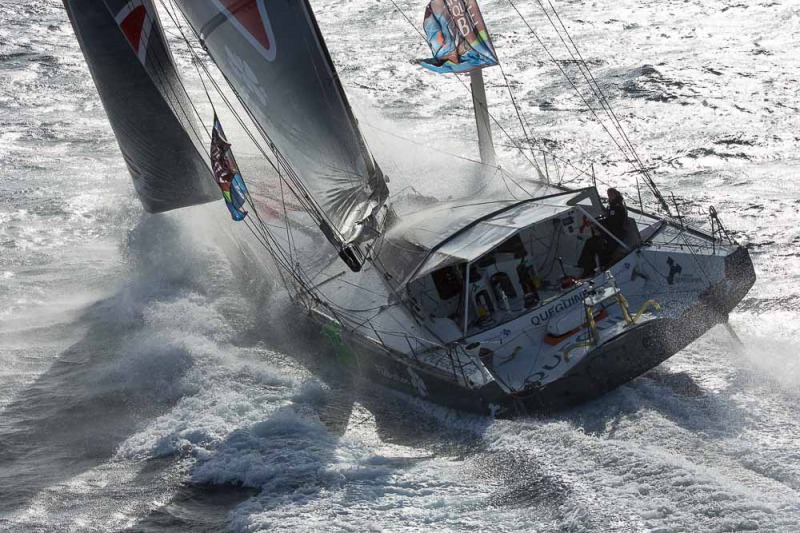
(153, 376)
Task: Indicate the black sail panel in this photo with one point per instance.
(273, 55)
(125, 48)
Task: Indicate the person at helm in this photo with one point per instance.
(601, 245)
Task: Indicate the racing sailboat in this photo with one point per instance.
(475, 304)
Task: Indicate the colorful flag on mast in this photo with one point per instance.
(226, 172)
(458, 37)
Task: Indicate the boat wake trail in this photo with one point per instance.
(157, 346)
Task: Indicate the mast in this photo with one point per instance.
(485, 143)
(460, 43)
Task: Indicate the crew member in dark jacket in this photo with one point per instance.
(601, 245)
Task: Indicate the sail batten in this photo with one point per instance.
(274, 57)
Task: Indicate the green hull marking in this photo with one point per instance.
(333, 332)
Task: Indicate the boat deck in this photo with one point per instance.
(520, 347)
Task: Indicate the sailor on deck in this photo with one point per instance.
(601, 245)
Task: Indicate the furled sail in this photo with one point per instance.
(127, 54)
(458, 38)
(273, 55)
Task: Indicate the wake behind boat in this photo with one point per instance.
(475, 304)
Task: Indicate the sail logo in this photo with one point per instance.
(135, 20)
(247, 77)
(545, 315)
(250, 18)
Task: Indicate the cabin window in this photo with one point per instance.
(448, 282)
(514, 246)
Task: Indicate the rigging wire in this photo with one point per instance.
(467, 88)
(523, 123)
(267, 239)
(496, 60)
(568, 78)
(642, 168)
(166, 82)
(293, 181)
(579, 172)
(261, 230)
(628, 150)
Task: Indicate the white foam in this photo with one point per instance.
(707, 444)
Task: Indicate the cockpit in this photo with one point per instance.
(474, 275)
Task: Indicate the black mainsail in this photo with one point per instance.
(127, 54)
(274, 57)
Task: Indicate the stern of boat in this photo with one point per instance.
(740, 276)
(646, 344)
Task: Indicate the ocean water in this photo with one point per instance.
(154, 377)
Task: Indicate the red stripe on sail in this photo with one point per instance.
(133, 26)
(248, 15)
